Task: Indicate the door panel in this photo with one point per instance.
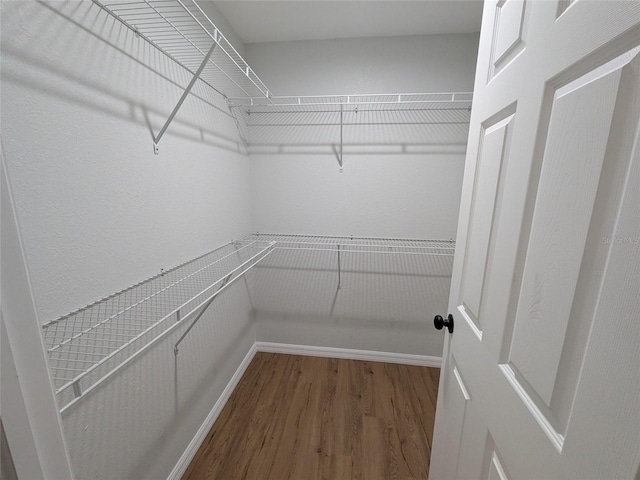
(570, 174)
(547, 269)
(493, 151)
(508, 40)
(496, 470)
(607, 399)
(458, 398)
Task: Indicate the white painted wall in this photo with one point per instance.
(98, 211)
(215, 15)
(425, 63)
(393, 196)
(396, 196)
(378, 302)
(400, 182)
(392, 193)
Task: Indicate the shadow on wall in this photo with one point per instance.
(363, 301)
(140, 421)
(381, 129)
(87, 57)
(358, 285)
(190, 389)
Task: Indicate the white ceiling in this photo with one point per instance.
(257, 21)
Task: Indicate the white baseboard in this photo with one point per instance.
(204, 429)
(368, 355)
(331, 352)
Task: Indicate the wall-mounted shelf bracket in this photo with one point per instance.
(225, 282)
(337, 150)
(183, 97)
(181, 30)
(341, 130)
(339, 269)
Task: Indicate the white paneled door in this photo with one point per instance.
(541, 375)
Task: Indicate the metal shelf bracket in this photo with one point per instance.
(341, 133)
(183, 97)
(226, 282)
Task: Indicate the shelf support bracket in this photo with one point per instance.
(77, 390)
(341, 128)
(226, 281)
(196, 75)
(339, 269)
(204, 309)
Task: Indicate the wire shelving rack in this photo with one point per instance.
(341, 249)
(354, 123)
(88, 346)
(315, 281)
(181, 30)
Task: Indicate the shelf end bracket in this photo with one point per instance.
(196, 75)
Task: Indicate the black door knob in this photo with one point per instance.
(439, 322)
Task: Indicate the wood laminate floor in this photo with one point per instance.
(298, 418)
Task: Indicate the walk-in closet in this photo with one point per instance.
(188, 195)
(195, 189)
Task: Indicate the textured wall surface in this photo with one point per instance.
(398, 196)
(98, 212)
(412, 64)
(374, 301)
(397, 181)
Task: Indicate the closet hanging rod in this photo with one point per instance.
(277, 113)
(340, 248)
(345, 243)
(283, 237)
(359, 99)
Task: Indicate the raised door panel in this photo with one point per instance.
(496, 471)
(604, 400)
(509, 34)
(492, 157)
(566, 251)
(456, 400)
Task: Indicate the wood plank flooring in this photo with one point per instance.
(306, 418)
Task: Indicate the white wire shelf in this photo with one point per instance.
(352, 244)
(395, 256)
(354, 122)
(183, 31)
(88, 346)
(344, 279)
